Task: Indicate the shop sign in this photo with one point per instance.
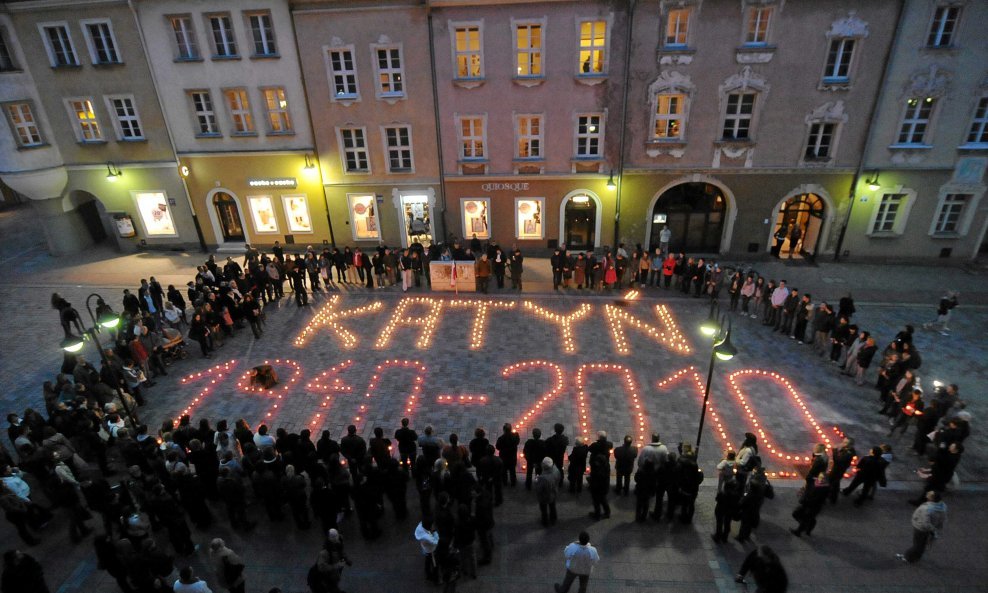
(288, 182)
(516, 186)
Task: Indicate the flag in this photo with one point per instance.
(452, 276)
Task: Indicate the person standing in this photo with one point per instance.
(928, 521)
(546, 491)
(843, 457)
(765, 566)
(810, 505)
(407, 449)
(580, 560)
(944, 309)
(516, 266)
(483, 267)
(228, 566)
(871, 471)
(428, 539)
(794, 236)
(624, 462)
(533, 453)
(757, 489)
(600, 481)
(507, 450)
(555, 448)
(665, 235)
(189, 583)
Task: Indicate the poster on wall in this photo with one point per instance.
(476, 218)
(297, 213)
(528, 218)
(363, 217)
(262, 211)
(155, 213)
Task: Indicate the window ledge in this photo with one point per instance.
(33, 146)
(285, 133)
(345, 100)
(209, 135)
(67, 67)
(226, 58)
(107, 65)
(401, 171)
(676, 49)
(91, 142)
(817, 161)
(391, 98)
(141, 139)
(910, 147)
(12, 71)
(275, 56)
(973, 146)
(243, 135)
(194, 60)
(735, 141)
(528, 81)
(357, 172)
(469, 161)
(591, 79)
(665, 142)
(948, 236)
(587, 159)
(527, 160)
(941, 48)
(468, 83)
(884, 235)
(835, 84)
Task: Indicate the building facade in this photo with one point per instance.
(229, 79)
(921, 191)
(88, 143)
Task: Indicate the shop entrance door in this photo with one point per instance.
(805, 211)
(418, 223)
(580, 223)
(694, 213)
(229, 217)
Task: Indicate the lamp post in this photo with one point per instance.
(74, 344)
(722, 349)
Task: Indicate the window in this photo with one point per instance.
(916, 120)
(677, 28)
(276, 105)
(353, 146)
(839, 60)
(83, 117)
(944, 26)
(390, 81)
(589, 136)
(468, 51)
(205, 115)
(979, 126)
(757, 30)
(888, 209)
(737, 117)
(224, 44)
(472, 134)
(528, 132)
(185, 38)
(102, 45)
(126, 120)
(262, 33)
(25, 127)
(670, 117)
(593, 47)
(820, 140)
(949, 216)
(6, 58)
(528, 44)
(59, 46)
(240, 114)
(342, 73)
(528, 218)
(363, 215)
(398, 143)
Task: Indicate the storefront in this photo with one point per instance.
(536, 214)
(372, 215)
(257, 200)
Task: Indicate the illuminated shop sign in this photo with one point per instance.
(272, 182)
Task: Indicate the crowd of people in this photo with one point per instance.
(150, 482)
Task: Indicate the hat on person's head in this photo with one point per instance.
(333, 536)
(216, 544)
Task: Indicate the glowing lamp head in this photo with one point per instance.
(72, 344)
(610, 181)
(109, 320)
(709, 328)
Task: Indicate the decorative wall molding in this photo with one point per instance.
(831, 111)
(849, 26)
(745, 80)
(932, 82)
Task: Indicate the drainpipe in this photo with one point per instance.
(312, 128)
(437, 117)
(872, 128)
(161, 107)
(624, 121)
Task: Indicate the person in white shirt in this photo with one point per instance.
(580, 560)
(262, 439)
(428, 540)
(189, 583)
(664, 237)
(15, 483)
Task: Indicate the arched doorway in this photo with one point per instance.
(580, 216)
(694, 212)
(90, 211)
(231, 225)
(808, 212)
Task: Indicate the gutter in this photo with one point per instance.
(624, 122)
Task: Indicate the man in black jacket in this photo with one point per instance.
(407, 444)
(534, 453)
(842, 461)
(516, 266)
(507, 450)
(555, 448)
(871, 471)
(558, 262)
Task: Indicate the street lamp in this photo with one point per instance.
(711, 327)
(722, 349)
(73, 344)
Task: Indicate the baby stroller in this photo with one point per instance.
(174, 345)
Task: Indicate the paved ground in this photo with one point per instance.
(851, 550)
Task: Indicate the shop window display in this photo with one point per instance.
(363, 217)
(262, 211)
(476, 218)
(297, 213)
(155, 214)
(528, 218)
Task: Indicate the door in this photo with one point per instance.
(580, 223)
(694, 213)
(805, 211)
(418, 223)
(228, 214)
(89, 212)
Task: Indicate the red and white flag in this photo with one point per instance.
(452, 277)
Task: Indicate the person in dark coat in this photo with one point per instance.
(645, 483)
(507, 450)
(728, 501)
(871, 471)
(555, 448)
(767, 570)
(810, 505)
(843, 456)
(395, 483)
(577, 465)
(534, 453)
(624, 464)
(757, 488)
(686, 480)
(407, 448)
(353, 446)
(600, 483)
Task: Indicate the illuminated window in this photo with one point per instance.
(472, 137)
(102, 45)
(916, 120)
(240, 115)
(669, 117)
(944, 26)
(589, 135)
(25, 127)
(758, 22)
(83, 117)
(468, 51)
(363, 217)
(185, 37)
(390, 78)
(528, 134)
(276, 106)
(528, 44)
(677, 28)
(593, 47)
(353, 147)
